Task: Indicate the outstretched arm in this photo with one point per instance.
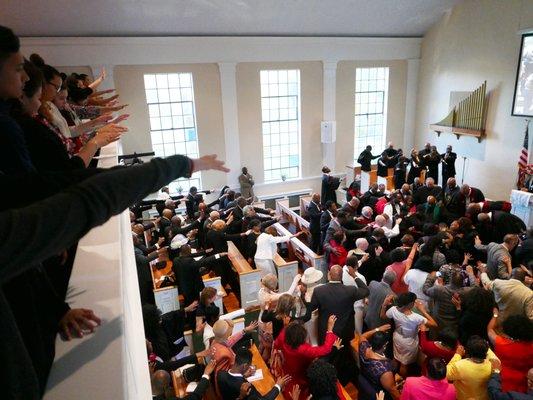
(59, 221)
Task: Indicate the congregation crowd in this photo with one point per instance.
(427, 293)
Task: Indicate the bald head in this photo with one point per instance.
(214, 215)
(354, 202)
(380, 220)
(218, 225)
(367, 212)
(430, 182)
(167, 213)
(465, 189)
(335, 273)
(451, 183)
(160, 382)
(432, 200)
(483, 217)
(316, 198)
(138, 229)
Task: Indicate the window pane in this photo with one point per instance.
(280, 101)
(170, 100)
(371, 88)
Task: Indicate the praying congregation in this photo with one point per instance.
(279, 200)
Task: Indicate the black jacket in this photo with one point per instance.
(186, 270)
(336, 299)
(365, 159)
(329, 185)
(314, 213)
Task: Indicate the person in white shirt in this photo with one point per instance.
(381, 222)
(267, 249)
(349, 273)
(416, 277)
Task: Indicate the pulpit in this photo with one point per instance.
(522, 206)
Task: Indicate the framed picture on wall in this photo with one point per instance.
(523, 91)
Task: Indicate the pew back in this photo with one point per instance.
(249, 278)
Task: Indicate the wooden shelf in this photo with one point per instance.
(458, 131)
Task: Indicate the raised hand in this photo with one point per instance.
(338, 344)
(295, 393)
(76, 320)
(283, 380)
(252, 327)
(208, 162)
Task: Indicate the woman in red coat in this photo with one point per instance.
(298, 353)
(514, 348)
(336, 243)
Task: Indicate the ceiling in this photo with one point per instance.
(392, 18)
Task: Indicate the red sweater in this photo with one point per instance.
(296, 361)
(341, 258)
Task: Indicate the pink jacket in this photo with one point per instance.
(416, 388)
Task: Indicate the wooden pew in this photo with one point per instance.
(289, 216)
(304, 203)
(249, 278)
(298, 250)
(166, 298)
(287, 270)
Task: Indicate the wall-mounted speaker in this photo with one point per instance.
(328, 131)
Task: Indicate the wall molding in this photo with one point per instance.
(214, 49)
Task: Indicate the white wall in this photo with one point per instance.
(227, 96)
(477, 41)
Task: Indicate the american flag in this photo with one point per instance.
(523, 159)
(524, 154)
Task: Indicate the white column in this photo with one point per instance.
(109, 82)
(330, 82)
(413, 66)
(228, 86)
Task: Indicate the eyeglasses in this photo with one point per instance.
(58, 87)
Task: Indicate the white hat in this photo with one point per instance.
(311, 275)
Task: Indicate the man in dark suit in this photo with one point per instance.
(232, 384)
(448, 164)
(499, 223)
(472, 194)
(365, 158)
(425, 151)
(314, 212)
(454, 201)
(392, 155)
(421, 194)
(330, 210)
(187, 271)
(334, 298)
(329, 185)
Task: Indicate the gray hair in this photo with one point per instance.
(248, 210)
(389, 277)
